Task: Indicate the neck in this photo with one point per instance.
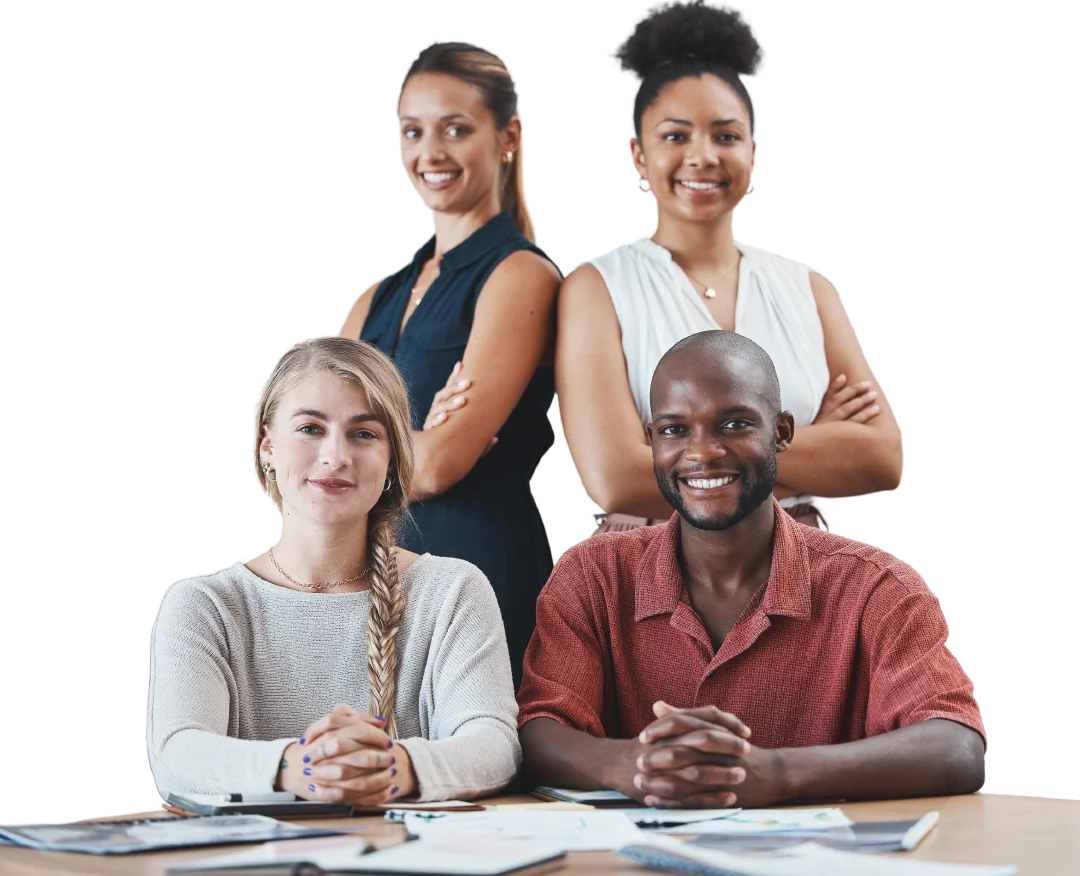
(453, 228)
(314, 554)
(700, 248)
(731, 560)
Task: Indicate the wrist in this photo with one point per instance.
(406, 781)
(785, 776)
(618, 766)
(288, 768)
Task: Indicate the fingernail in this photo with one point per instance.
(311, 787)
(393, 760)
(303, 740)
(379, 718)
(739, 774)
(307, 758)
(871, 395)
(638, 779)
(393, 773)
(390, 744)
(394, 789)
(641, 737)
(462, 384)
(307, 771)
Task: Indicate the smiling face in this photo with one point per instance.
(695, 148)
(329, 451)
(715, 434)
(450, 145)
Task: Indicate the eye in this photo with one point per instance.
(671, 430)
(674, 136)
(457, 131)
(309, 429)
(411, 133)
(736, 424)
(728, 138)
(365, 435)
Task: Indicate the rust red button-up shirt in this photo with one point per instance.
(844, 641)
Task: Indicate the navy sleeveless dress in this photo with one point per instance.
(489, 517)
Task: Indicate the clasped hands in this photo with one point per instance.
(347, 757)
(700, 758)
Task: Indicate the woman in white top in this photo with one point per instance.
(248, 663)
(619, 314)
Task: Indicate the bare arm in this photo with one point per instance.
(512, 333)
(599, 417)
(843, 458)
(929, 759)
(354, 322)
(563, 757)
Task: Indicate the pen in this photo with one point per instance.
(266, 797)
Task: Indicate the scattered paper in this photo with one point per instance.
(570, 831)
(648, 816)
(768, 821)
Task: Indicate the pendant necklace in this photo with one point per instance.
(710, 290)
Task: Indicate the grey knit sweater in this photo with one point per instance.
(239, 667)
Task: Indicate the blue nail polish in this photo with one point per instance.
(390, 744)
(393, 760)
(307, 771)
(394, 789)
(393, 773)
(378, 717)
(311, 787)
(303, 739)
(307, 758)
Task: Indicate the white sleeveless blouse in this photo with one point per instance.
(657, 307)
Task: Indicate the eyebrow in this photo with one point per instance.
(727, 412)
(319, 415)
(441, 118)
(719, 123)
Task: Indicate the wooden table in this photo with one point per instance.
(1039, 836)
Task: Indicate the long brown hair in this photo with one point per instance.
(489, 74)
(368, 368)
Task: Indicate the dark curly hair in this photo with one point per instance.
(689, 39)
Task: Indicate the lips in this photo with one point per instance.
(700, 186)
(439, 179)
(332, 485)
(713, 482)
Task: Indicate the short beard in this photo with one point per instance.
(758, 487)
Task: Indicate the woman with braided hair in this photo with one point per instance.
(336, 665)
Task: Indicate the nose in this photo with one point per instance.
(703, 446)
(333, 450)
(702, 152)
(430, 147)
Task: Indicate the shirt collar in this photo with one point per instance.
(659, 584)
(478, 244)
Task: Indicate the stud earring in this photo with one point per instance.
(507, 157)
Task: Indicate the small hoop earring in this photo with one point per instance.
(389, 484)
(268, 472)
(750, 190)
(644, 185)
(507, 157)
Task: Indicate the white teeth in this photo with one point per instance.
(710, 483)
(438, 177)
(699, 186)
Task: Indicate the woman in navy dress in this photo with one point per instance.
(470, 324)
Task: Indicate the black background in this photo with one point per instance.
(281, 197)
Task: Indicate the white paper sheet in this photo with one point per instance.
(768, 821)
(571, 831)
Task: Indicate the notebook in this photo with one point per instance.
(865, 836)
(446, 856)
(283, 805)
(592, 798)
(147, 834)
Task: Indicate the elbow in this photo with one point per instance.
(964, 762)
(433, 478)
(887, 467)
(602, 487)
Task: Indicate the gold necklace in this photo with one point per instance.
(418, 293)
(710, 292)
(325, 586)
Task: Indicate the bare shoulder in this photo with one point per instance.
(404, 559)
(527, 266)
(825, 294)
(585, 280)
(354, 322)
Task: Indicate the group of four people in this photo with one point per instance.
(734, 653)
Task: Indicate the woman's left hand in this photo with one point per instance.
(449, 399)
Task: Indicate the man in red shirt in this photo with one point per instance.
(733, 655)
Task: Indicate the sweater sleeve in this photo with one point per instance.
(188, 710)
(472, 746)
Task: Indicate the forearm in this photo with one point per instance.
(480, 759)
(440, 462)
(929, 759)
(201, 762)
(562, 757)
(841, 459)
(622, 481)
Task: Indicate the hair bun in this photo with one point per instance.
(677, 30)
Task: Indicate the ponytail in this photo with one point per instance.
(512, 198)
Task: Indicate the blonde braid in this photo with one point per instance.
(387, 608)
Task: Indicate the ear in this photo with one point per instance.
(785, 430)
(266, 446)
(510, 139)
(638, 155)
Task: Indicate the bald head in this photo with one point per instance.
(718, 355)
